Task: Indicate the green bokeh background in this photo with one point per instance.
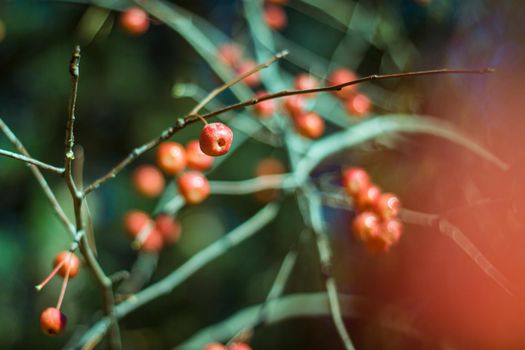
(125, 98)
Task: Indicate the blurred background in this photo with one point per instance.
(130, 90)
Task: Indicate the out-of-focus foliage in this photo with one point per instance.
(125, 98)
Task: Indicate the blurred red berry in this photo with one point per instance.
(239, 346)
(134, 21)
(153, 242)
(275, 17)
(366, 224)
(309, 125)
(367, 197)
(340, 76)
(388, 205)
(69, 262)
(171, 157)
(52, 321)
(215, 346)
(306, 81)
(197, 159)
(294, 105)
(268, 166)
(135, 221)
(358, 105)
(148, 181)
(252, 79)
(264, 109)
(354, 180)
(229, 54)
(168, 227)
(215, 139)
(194, 187)
(392, 229)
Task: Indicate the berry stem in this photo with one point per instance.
(64, 283)
(50, 276)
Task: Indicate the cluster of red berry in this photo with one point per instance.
(231, 55)
(274, 14)
(173, 158)
(232, 346)
(377, 224)
(356, 103)
(52, 320)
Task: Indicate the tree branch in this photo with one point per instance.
(179, 125)
(57, 208)
(190, 267)
(31, 161)
(374, 77)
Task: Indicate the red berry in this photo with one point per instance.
(229, 54)
(354, 180)
(305, 81)
(215, 139)
(377, 243)
(153, 242)
(264, 109)
(148, 181)
(52, 321)
(69, 262)
(134, 21)
(197, 159)
(388, 205)
(168, 227)
(294, 105)
(309, 125)
(239, 346)
(391, 230)
(171, 157)
(214, 346)
(275, 17)
(365, 225)
(252, 79)
(340, 76)
(194, 187)
(135, 221)
(367, 197)
(358, 105)
(268, 166)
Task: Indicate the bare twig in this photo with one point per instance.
(374, 77)
(57, 208)
(77, 197)
(190, 267)
(31, 161)
(232, 82)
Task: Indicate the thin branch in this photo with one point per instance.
(57, 208)
(374, 77)
(179, 124)
(102, 280)
(232, 82)
(305, 305)
(190, 267)
(70, 135)
(31, 161)
(460, 239)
